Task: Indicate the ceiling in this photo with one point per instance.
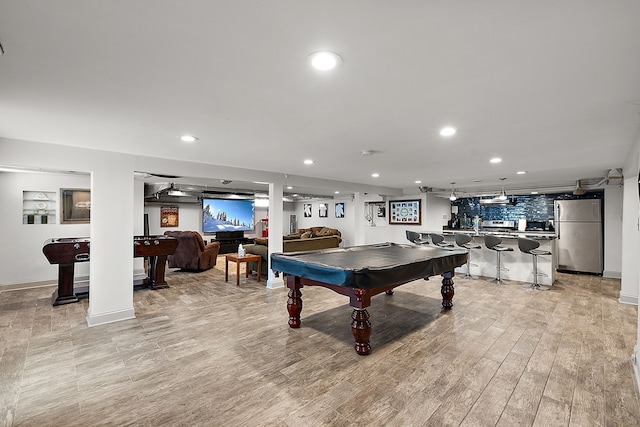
(552, 90)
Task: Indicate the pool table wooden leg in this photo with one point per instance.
(294, 302)
(447, 290)
(361, 330)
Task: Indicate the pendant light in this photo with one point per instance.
(503, 195)
(453, 196)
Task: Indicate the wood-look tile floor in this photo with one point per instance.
(210, 353)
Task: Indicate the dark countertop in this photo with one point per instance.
(513, 234)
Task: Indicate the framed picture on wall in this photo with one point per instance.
(339, 210)
(323, 209)
(307, 210)
(76, 205)
(405, 212)
(169, 216)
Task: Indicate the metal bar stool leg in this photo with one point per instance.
(535, 285)
(498, 280)
(467, 275)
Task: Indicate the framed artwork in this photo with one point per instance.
(307, 210)
(405, 212)
(382, 211)
(169, 216)
(76, 205)
(323, 209)
(339, 210)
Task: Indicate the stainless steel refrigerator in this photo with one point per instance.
(579, 243)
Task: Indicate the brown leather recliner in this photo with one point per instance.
(192, 254)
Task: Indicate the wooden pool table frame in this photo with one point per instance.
(359, 299)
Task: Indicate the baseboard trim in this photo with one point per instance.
(31, 285)
(274, 282)
(636, 368)
(612, 274)
(78, 281)
(628, 299)
(111, 317)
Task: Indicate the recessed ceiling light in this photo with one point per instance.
(308, 162)
(534, 192)
(447, 131)
(336, 192)
(496, 160)
(324, 60)
(521, 172)
(418, 182)
(375, 174)
(188, 138)
(289, 187)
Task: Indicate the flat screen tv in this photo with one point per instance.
(227, 215)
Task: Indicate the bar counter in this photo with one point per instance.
(519, 264)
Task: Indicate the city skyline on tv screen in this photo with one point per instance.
(227, 215)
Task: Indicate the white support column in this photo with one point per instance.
(138, 225)
(112, 224)
(630, 241)
(358, 219)
(275, 232)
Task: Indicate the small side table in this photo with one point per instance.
(239, 260)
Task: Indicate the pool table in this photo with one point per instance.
(361, 272)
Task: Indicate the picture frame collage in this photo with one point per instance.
(405, 212)
(399, 212)
(323, 210)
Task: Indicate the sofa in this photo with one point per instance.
(308, 239)
(192, 254)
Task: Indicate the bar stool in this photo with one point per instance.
(465, 241)
(438, 240)
(416, 238)
(530, 246)
(493, 242)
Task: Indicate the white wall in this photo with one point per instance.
(21, 251)
(345, 224)
(111, 229)
(630, 230)
(631, 241)
(436, 211)
(190, 218)
(613, 231)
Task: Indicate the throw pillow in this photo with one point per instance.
(261, 241)
(325, 232)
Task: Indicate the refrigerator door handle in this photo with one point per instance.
(558, 221)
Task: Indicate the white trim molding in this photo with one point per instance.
(612, 274)
(635, 362)
(114, 316)
(628, 299)
(274, 282)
